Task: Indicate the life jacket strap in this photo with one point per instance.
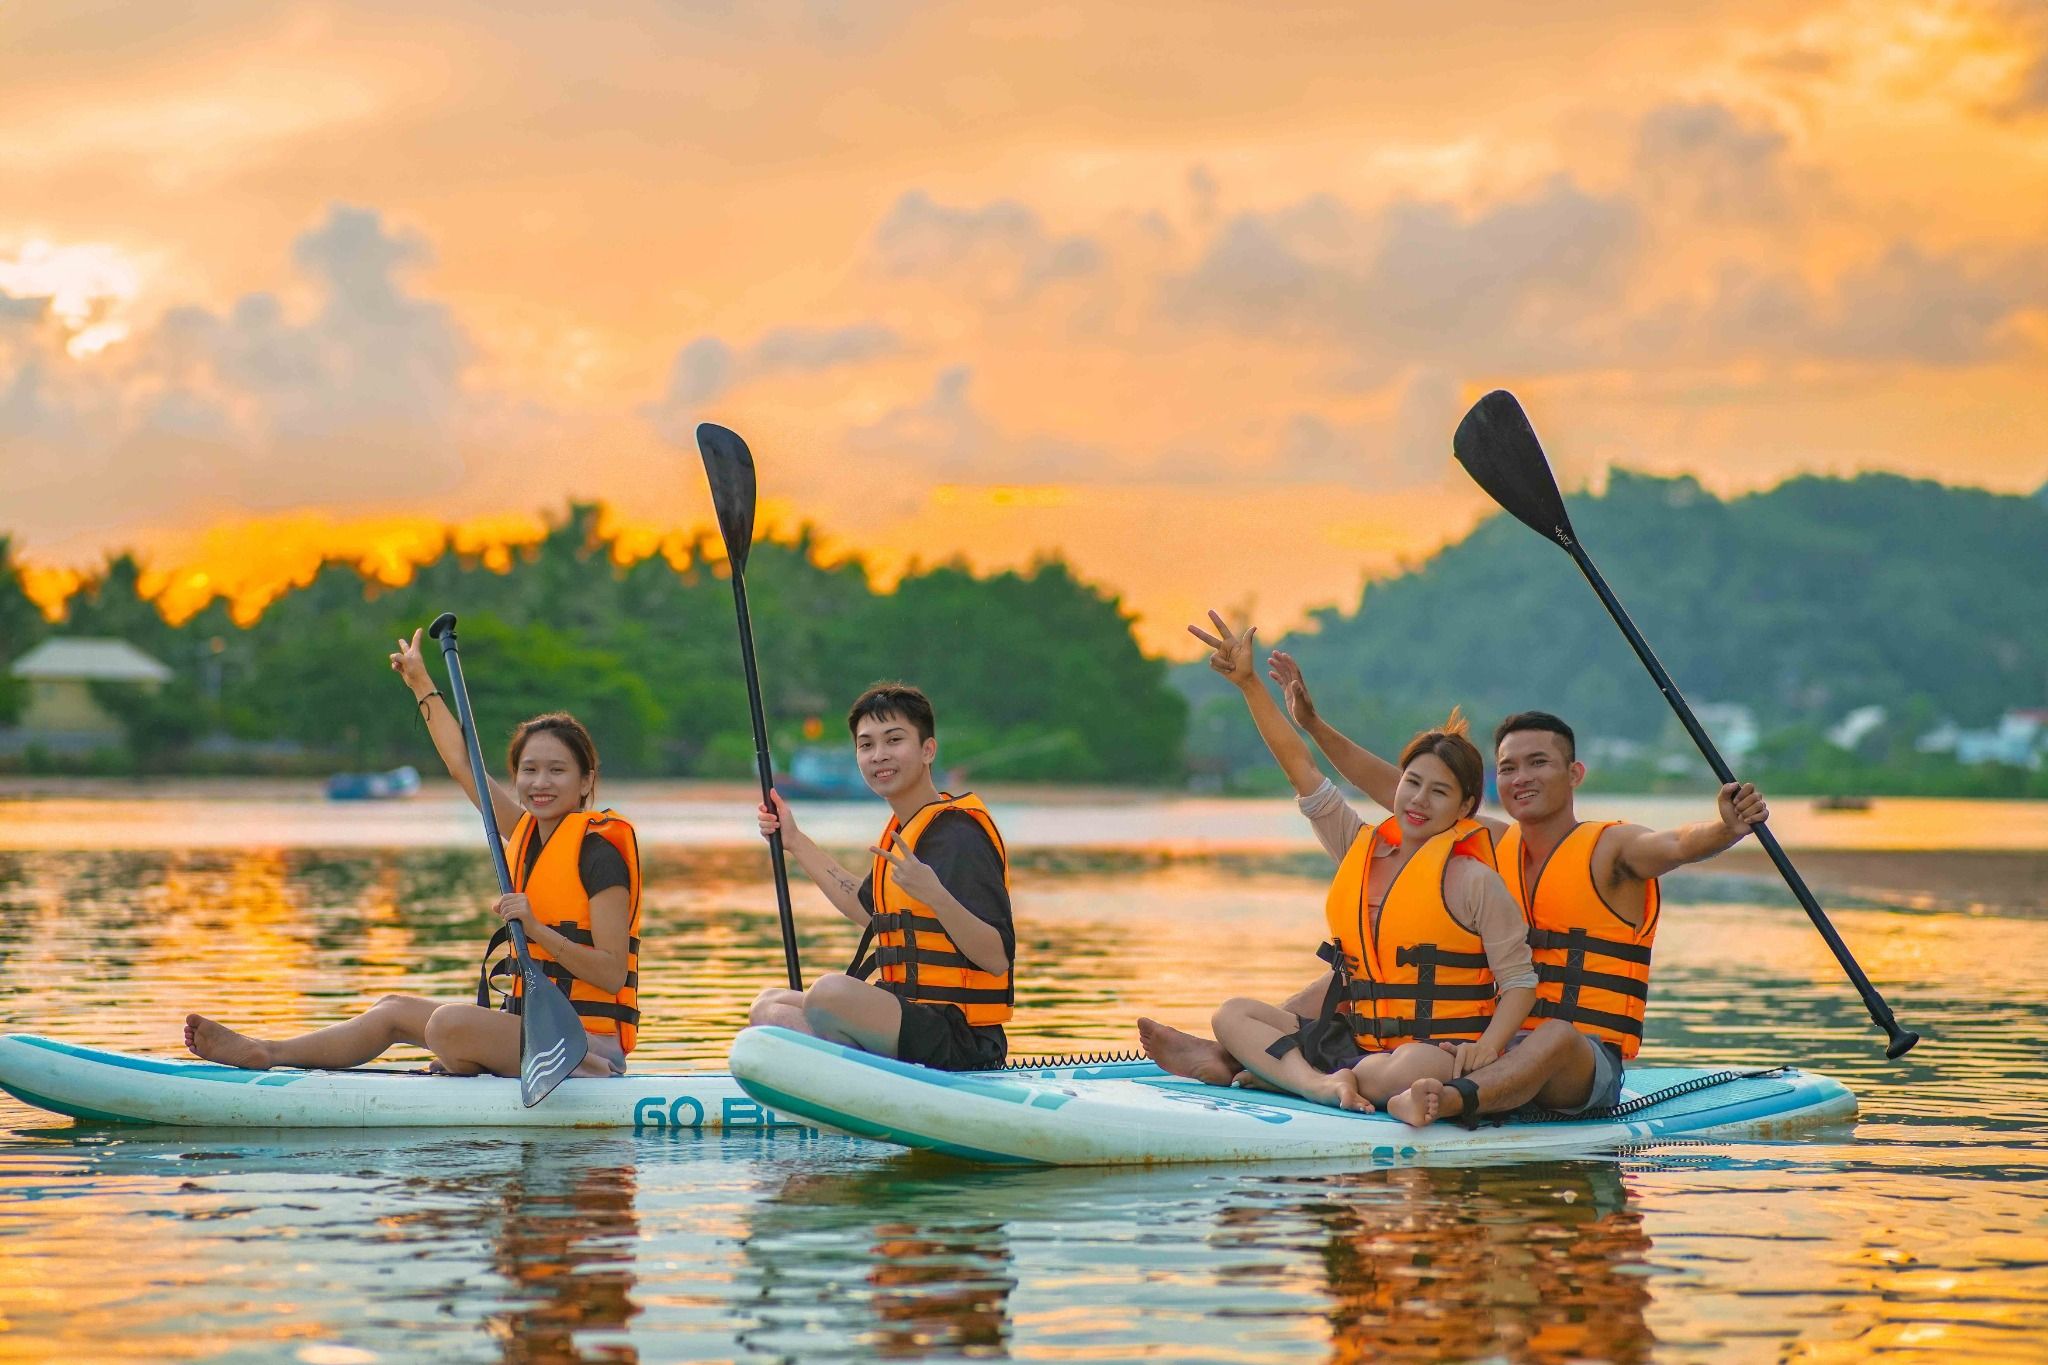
(1579, 1014)
(1578, 940)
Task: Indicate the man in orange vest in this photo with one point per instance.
(934, 908)
(1589, 891)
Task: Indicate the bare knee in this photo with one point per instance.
(1553, 1038)
(831, 994)
(766, 1006)
(1230, 1011)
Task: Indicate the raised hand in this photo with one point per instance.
(1282, 669)
(1231, 653)
(916, 878)
(1742, 807)
(411, 666)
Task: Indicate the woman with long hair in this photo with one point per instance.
(576, 891)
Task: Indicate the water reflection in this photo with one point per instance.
(876, 1263)
(1542, 1263)
(1920, 1228)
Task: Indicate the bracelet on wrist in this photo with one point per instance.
(421, 701)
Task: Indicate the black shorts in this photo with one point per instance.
(1326, 1044)
(939, 1036)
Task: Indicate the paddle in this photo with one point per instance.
(552, 1043)
(1499, 450)
(729, 465)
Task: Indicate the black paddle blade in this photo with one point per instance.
(1499, 450)
(730, 467)
(444, 624)
(552, 1043)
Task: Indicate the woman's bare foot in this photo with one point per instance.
(1185, 1054)
(1421, 1104)
(1340, 1090)
(219, 1043)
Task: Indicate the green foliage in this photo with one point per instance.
(1803, 602)
(1034, 675)
(21, 627)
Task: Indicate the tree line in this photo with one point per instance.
(1802, 603)
(1035, 675)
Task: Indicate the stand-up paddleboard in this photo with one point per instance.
(118, 1087)
(1094, 1119)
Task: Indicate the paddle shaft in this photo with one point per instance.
(1901, 1039)
(452, 657)
(766, 767)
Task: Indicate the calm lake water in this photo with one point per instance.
(1919, 1231)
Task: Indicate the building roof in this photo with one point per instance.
(89, 660)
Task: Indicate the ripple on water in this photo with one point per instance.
(1919, 1230)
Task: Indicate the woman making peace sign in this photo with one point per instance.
(576, 891)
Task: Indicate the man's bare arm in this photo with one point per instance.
(1642, 854)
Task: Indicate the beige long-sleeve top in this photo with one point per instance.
(1474, 893)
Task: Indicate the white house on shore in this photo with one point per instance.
(60, 711)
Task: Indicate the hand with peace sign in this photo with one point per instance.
(915, 878)
(1232, 656)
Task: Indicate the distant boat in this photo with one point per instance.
(1850, 803)
(374, 786)
(823, 774)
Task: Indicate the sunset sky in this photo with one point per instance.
(1193, 293)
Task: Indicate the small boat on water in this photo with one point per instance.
(822, 774)
(1842, 803)
(383, 786)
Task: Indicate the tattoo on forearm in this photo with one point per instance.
(847, 884)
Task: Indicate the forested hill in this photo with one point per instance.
(1034, 675)
(1803, 602)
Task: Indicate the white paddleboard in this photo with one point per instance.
(96, 1084)
(1097, 1117)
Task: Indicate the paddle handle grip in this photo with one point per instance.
(765, 765)
(1901, 1040)
(443, 630)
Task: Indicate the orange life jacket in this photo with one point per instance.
(1592, 966)
(918, 958)
(559, 901)
(1422, 975)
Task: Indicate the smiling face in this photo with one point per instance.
(1429, 799)
(548, 779)
(1536, 779)
(892, 758)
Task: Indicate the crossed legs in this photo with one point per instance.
(1552, 1065)
(838, 1008)
(1246, 1028)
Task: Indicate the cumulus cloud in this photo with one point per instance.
(1409, 447)
(1703, 158)
(945, 436)
(1002, 250)
(708, 368)
(251, 407)
(1513, 284)
(1907, 304)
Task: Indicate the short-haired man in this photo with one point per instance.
(934, 906)
(1589, 892)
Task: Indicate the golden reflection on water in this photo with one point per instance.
(1921, 1231)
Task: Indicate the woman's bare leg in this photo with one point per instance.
(1246, 1028)
(393, 1020)
(1383, 1075)
(468, 1039)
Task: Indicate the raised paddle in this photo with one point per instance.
(552, 1043)
(729, 465)
(1499, 450)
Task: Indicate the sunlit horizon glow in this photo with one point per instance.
(280, 283)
